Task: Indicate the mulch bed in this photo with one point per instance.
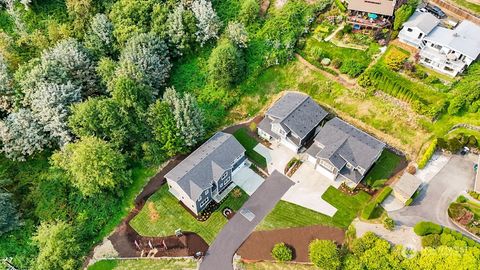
(258, 245)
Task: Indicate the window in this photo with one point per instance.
(409, 29)
(206, 192)
(204, 202)
(438, 47)
(420, 35)
(449, 69)
(326, 165)
(427, 60)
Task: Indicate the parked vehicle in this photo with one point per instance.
(436, 11)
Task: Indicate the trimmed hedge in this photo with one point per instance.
(408, 202)
(428, 154)
(425, 227)
(368, 210)
(383, 194)
(340, 6)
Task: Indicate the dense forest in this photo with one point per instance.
(94, 95)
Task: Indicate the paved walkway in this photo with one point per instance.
(248, 180)
(220, 254)
(452, 180)
(401, 235)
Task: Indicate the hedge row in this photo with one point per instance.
(368, 210)
(340, 6)
(425, 227)
(428, 154)
(448, 237)
(378, 77)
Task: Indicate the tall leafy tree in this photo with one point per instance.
(92, 164)
(181, 28)
(21, 135)
(5, 87)
(187, 115)
(208, 23)
(164, 128)
(9, 219)
(145, 59)
(131, 94)
(324, 254)
(58, 247)
(100, 37)
(237, 33)
(226, 65)
(81, 12)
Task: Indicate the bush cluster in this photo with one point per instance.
(428, 154)
(449, 238)
(372, 205)
(395, 59)
(282, 252)
(425, 227)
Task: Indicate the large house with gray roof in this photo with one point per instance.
(343, 152)
(206, 174)
(292, 121)
(449, 51)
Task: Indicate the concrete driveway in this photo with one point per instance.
(432, 203)
(220, 254)
(277, 157)
(247, 180)
(308, 190)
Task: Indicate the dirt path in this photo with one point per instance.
(341, 80)
(259, 244)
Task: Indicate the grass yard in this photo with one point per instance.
(398, 126)
(474, 7)
(289, 215)
(278, 266)
(145, 264)
(249, 143)
(383, 168)
(163, 214)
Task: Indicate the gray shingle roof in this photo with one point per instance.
(424, 21)
(345, 143)
(298, 113)
(383, 7)
(196, 173)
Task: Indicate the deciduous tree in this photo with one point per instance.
(93, 165)
(324, 254)
(226, 65)
(99, 38)
(237, 33)
(58, 247)
(181, 28)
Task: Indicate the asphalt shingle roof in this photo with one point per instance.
(407, 185)
(345, 143)
(424, 21)
(297, 113)
(196, 173)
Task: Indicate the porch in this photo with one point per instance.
(365, 20)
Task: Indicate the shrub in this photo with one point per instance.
(408, 202)
(395, 59)
(411, 169)
(474, 194)
(389, 223)
(340, 5)
(337, 63)
(425, 227)
(431, 240)
(428, 154)
(282, 252)
(368, 210)
(462, 199)
(253, 126)
(352, 68)
(420, 74)
(383, 195)
(324, 254)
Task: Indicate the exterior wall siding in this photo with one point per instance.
(182, 196)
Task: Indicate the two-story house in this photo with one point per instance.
(292, 120)
(417, 28)
(343, 152)
(449, 51)
(206, 174)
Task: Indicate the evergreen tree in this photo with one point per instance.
(100, 39)
(164, 128)
(181, 28)
(237, 33)
(208, 23)
(9, 219)
(226, 65)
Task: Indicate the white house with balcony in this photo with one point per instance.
(449, 51)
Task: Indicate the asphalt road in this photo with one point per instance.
(432, 204)
(220, 254)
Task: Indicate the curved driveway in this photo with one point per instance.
(454, 178)
(220, 254)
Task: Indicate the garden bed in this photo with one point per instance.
(259, 244)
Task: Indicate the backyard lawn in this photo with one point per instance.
(145, 264)
(163, 214)
(383, 168)
(249, 143)
(288, 215)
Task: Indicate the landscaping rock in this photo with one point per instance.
(326, 61)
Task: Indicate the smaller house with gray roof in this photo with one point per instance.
(417, 27)
(343, 152)
(293, 120)
(406, 186)
(206, 174)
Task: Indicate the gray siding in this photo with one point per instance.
(207, 198)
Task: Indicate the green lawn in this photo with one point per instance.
(145, 264)
(474, 7)
(249, 143)
(278, 266)
(163, 214)
(384, 167)
(288, 215)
